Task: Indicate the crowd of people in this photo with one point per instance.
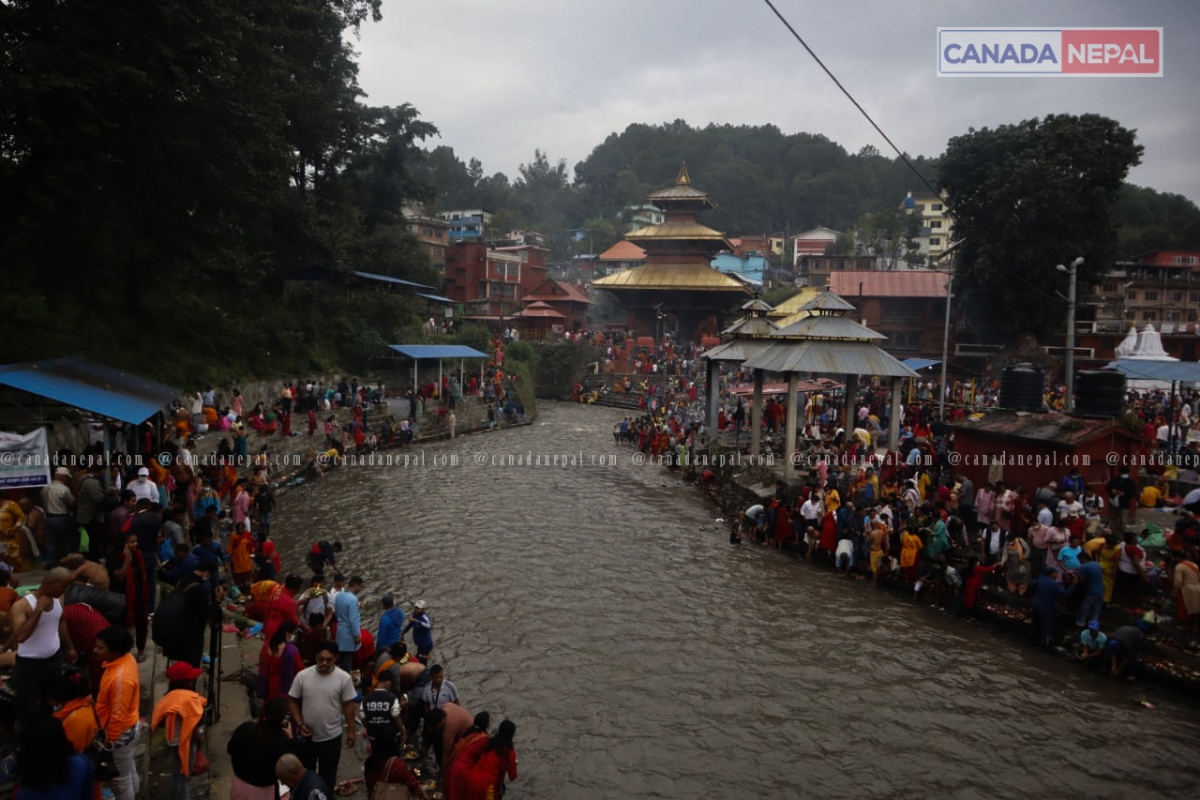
(937, 534)
(320, 669)
(169, 551)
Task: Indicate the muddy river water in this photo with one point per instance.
(602, 609)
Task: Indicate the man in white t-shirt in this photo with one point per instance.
(143, 488)
(322, 697)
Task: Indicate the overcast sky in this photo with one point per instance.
(502, 77)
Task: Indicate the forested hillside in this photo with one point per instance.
(762, 179)
(166, 166)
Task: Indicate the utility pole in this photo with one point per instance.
(1069, 397)
(945, 348)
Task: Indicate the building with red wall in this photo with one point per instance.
(907, 306)
(493, 281)
(1034, 449)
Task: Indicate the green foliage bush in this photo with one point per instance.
(521, 351)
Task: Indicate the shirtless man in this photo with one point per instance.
(875, 543)
(86, 572)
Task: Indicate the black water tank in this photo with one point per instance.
(1022, 388)
(1099, 393)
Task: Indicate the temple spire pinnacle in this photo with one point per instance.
(684, 178)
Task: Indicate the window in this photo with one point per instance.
(1132, 295)
(936, 224)
(935, 207)
(1110, 288)
(1151, 295)
(919, 207)
(1191, 316)
(1194, 297)
(935, 241)
(1149, 316)
(1176, 297)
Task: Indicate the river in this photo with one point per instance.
(603, 610)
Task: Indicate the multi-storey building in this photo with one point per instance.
(466, 225)
(643, 216)
(936, 234)
(812, 243)
(493, 280)
(1161, 287)
(433, 234)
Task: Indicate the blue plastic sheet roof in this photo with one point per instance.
(371, 276)
(919, 363)
(437, 298)
(98, 388)
(1183, 371)
(420, 351)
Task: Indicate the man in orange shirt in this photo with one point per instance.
(117, 706)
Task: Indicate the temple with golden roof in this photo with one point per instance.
(677, 290)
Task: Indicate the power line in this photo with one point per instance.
(900, 153)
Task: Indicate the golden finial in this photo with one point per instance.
(684, 178)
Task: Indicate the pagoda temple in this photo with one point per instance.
(677, 290)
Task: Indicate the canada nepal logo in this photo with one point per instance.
(1050, 52)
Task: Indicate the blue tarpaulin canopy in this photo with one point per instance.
(437, 298)
(422, 351)
(1170, 371)
(919, 363)
(371, 276)
(98, 388)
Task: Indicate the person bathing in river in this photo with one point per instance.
(323, 553)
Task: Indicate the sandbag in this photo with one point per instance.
(110, 604)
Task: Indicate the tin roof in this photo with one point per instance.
(623, 250)
(683, 191)
(737, 349)
(679, 230)
(896, 283)
(757, 304)
(539, 310)
(101, 389)
(1041, 427)
(829, 358)
(824, 326)
(552, 290)
(827, 301)
(793, 304)
(700, 277)
(751, 326)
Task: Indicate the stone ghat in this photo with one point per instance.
(1170, 657)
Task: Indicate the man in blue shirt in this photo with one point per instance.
(422, 628)
(1091, 643)
(390, 623)
(1090, 584)
(349, 622)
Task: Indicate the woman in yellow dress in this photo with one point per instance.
(1110, 557)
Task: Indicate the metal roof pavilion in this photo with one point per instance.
(98, 388)
(423, 351)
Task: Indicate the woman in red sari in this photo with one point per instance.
(828, 541)
(485, 778)
(465, 753)
(127, 575)
(278, 662)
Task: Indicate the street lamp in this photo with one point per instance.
(1069, 398)
(945, 348)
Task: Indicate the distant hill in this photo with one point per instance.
(762, 180)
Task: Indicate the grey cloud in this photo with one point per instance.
(502, 78)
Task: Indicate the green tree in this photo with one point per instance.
(890, 234)
(1025, 197)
